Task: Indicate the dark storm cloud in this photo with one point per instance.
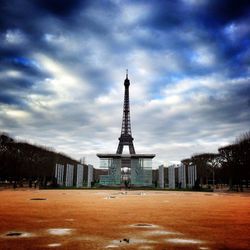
(167, 14)
(22, 64)
(207, 21)
(15, 11)
(52, 21)
(222, 12)
(15, 84)
(18, 75)
(10, 99)
(60, 8)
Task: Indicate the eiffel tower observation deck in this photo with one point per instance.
(133, 169)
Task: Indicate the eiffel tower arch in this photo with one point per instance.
(132, 168)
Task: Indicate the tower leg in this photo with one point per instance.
(119, 149)
(131, 149)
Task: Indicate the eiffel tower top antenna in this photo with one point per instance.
(126, 134)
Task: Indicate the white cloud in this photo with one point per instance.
(15, 37)
(133, 13)
(236, 30)
(11, 73)
(204, 56)
(17, 114)
(64, 83)
(195, 2)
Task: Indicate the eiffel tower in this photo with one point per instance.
(126, 138)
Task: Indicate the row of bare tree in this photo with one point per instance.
(20, 160)
(231, 165)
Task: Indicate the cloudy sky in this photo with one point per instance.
(63, 64)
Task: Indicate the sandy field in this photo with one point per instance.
(113, 219)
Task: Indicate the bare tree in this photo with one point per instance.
(236, 161)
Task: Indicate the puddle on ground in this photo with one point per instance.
(54, 245)
(204, 248)
(110, 197)
(60, 231)
(161, 232)
(140, 193)
(90, 238)
(17, 234)
(111, 246)
(130, 193)
(144, 225)
(69, 219)
(184, 241)
(14, 234)
(38, 199)
(141, 241)
(145, 247)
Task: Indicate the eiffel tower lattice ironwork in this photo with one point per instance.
(126, 134)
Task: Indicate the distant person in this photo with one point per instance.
(126, 182)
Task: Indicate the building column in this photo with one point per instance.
(171, 176)
(90, 175)
(79, 176)
(161, 176)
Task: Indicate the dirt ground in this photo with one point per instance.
(110, 219)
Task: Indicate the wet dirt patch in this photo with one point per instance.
(129, 241)
(38, 199)
(101, 193)
(41, 221)
(144, 225)
(14, 234)
(60, 231)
